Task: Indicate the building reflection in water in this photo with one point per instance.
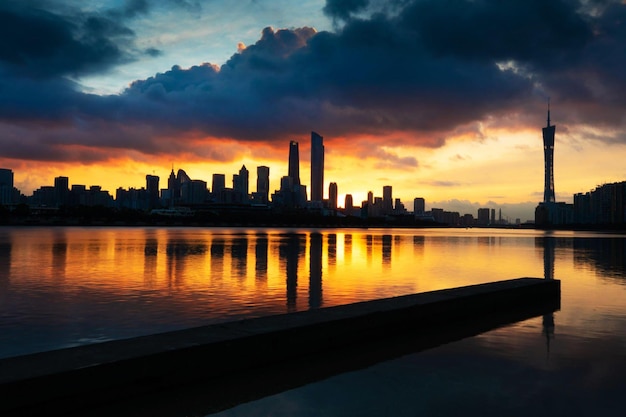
(289, 251)
(239, 257)
(150, 255)
(217, 258)
(418, 245)
(369, 243)
(607, 255)
(332, 251)
(347, 249)
(386, 252)
(5, 264)
(315, 270)
(59, 254)
(260, 257)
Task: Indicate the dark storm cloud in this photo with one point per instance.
(42, 38)
(538, 33)
(429, 69)
(343, 9)
(37, 43)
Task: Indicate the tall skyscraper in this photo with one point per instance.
(263, 182)
(419, 206)
(349, 203)
(61, 190)
(152, 186)
(387, 200)
(548, 153)
(317, 167)
(241, 184)
(294, 163)
(332, 195)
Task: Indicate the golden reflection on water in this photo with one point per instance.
(206, 275)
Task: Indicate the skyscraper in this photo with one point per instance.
(332, 195)
(317, 167)
(548, 153)
(294, 163)
(6, 186)
(61, 190)
(349, 203)
(240, 184)
(152, 186)
(263, 182)
(387, 200)
(419, 206)
(218, 184)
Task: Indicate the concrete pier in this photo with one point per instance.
(312, 343)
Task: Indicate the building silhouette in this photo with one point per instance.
(317, 167)
(7, 194)
(294, 163)
(332, 195)
(548, 153)
(550, 213)
(483, 217)
(387, 200)
(218, 185)
(152, 187)
(262, 185)
(605, 205)
(61, 191)
(419, 207)
(292, 193)
(241, 184)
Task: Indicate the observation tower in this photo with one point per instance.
(548, 152)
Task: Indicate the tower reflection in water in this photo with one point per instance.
(549, 246)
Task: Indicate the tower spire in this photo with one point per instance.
(548, 111)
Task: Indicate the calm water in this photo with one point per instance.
(64, 287)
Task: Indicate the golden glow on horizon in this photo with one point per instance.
(505, 167)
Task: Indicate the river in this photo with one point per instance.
(65, 286)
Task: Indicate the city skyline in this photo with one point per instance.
(410, 95)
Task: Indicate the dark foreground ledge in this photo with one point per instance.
(84, 379)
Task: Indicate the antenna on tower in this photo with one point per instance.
(548, 111)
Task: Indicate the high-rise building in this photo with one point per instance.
(193, 192)
(263, 183)
(349, 203)
(6, 186)
(173, 187)
(217, 186)
(294, 163)
(61, 190)
(483, 216)
(152, 187)
(548, 153)
(419, 206)
(387, 200)
(317, 167)
(332, 195)
(240, 184)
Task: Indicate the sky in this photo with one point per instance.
(442, 99)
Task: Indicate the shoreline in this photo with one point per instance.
(81, 378)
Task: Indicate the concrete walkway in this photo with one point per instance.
(84, 378)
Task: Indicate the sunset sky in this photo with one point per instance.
(442, 99)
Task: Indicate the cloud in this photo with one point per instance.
(343, 9)
(41, 44)
(425, 70)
